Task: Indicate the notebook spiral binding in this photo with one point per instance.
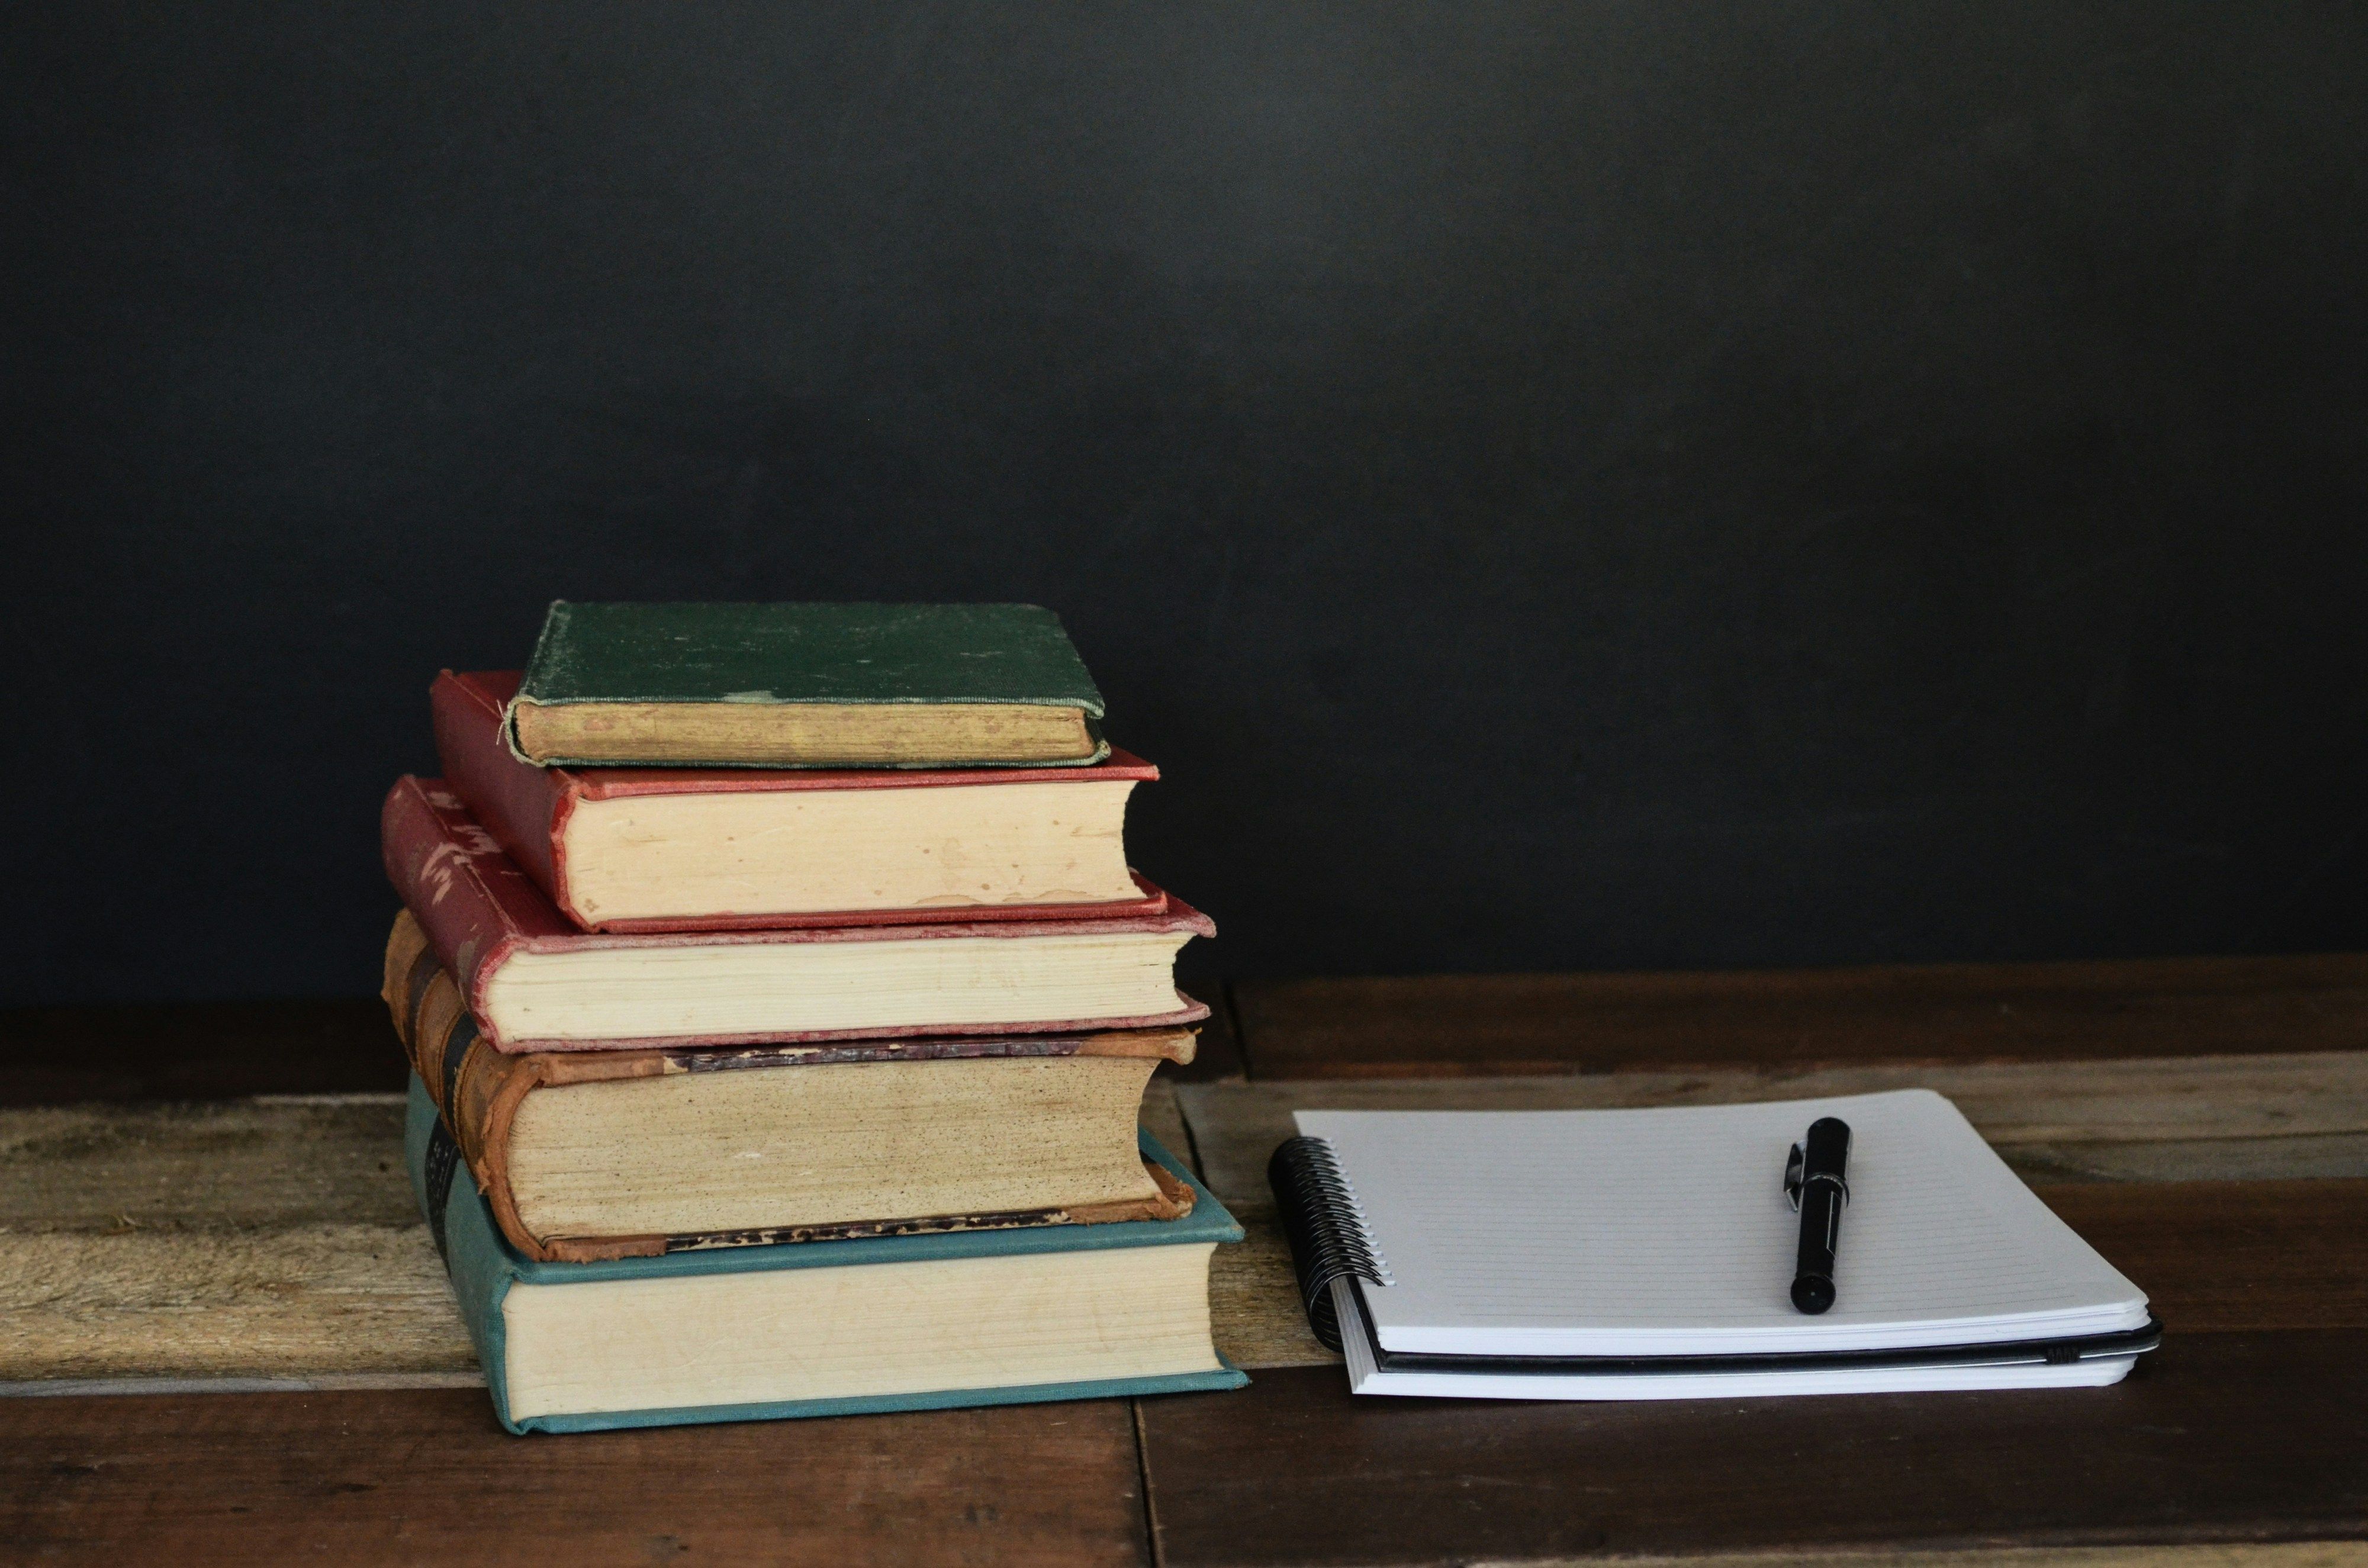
(1330, 1238)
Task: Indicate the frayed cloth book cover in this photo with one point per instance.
(806, 685)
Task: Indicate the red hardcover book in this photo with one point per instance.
(728, 849)
(535, 981)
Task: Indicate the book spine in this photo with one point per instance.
(423, 1003)
(524, 807)
(410, 965)
(464, 1239)
(440, 1041)
(436, 877)
(477, 1090)
(1327, 1228)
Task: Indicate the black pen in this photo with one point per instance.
(1816, 1180)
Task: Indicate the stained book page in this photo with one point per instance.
(1666, 1232)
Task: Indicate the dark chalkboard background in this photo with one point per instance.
(1564, 486)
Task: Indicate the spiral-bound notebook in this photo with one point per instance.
(1648, 1254)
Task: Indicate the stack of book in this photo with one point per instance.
(780, 1003)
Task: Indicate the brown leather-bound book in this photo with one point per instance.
(584, 1156)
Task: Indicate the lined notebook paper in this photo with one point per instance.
(1666, 1232)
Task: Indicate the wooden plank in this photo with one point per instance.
(1254, 1309)
(428, 1477)
(1237, 1126)
(2241, 1256)
(291, 1301)
(1557, 1023)
(116, 1266)
(196, 1051)
(274, 1240)
(234, 1163)
(311, 1383)
(254, 1239)
(2221, 1438)
(2325, 1155)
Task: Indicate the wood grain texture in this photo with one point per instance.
(2220, 1438)
(292, 1301)
(1572, 1023)
(239, 1239)
(2323, 1155)
(198, 1050)
(426, 1476)
(274, 1238)
(1237, 1126)
(1253, 1311)
(2215, 1256)
(232, 1164)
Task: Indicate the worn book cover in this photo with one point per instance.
(479, 1091)
(480, 913)
(528, 809)
(662, 671)
(484, 1271)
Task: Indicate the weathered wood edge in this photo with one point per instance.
(1425, 1025)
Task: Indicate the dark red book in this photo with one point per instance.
(536, 981)
(723, 849)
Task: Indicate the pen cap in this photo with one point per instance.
(1826, 1151)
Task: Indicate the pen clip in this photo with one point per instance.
(1796, 1177)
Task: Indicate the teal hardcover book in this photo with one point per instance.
(805, 686)
(826, 1328)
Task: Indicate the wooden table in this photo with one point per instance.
(2204, 1122)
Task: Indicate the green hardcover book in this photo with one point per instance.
(805, 686)
(826, 1328)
